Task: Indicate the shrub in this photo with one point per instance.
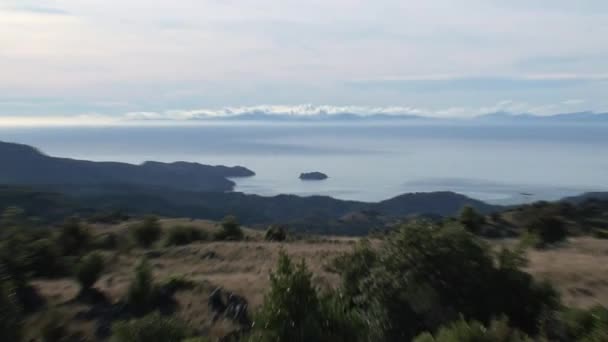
(150, 328)
(89, 270)
(426, 276)
(276, 233)
(183, 235)
(44, 259)
(293, 311)
(141, 295)
(549, 229)
(339, 321)
(73, 238)
(10, 313)
(462, 331)
(177, 283)
(471, 220)
(600, 233)
(230, 230)
(589, 325)
(354, 267)
(109, 241)
(147, 232)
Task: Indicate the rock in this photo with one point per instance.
(231, 306)
(313, 176)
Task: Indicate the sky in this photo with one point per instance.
(93, 60)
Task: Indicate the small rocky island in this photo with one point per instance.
(313, 176)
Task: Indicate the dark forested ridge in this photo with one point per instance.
(25, 165)
(317, 213)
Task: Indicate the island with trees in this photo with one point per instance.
(315, 175)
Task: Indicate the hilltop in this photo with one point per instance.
(25, 165)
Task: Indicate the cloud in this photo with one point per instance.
(480, 83)
(425, 54)
(41, 10)
(305, 110)
(190, 116)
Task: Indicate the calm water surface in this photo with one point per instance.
(370, 162)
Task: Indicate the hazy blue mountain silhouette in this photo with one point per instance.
(25, 165)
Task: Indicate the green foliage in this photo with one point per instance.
(354, 267)
(44, 258)
(12, 217)
(10, 313)
(89, 270)
(276, 233)
(471, 219)
(230, 230)
(183, 235)
(463, 331)
(600, 233)
(147, 232)
(177, 283)
(150, 328)
(548, 228)
(589, 325)
(339, 321)
(293, 311)
(73, 237)
(141, 295)
(30, 252)
(426, 276)
(108, 241)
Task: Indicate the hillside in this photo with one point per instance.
(318, 214)
(25, 165)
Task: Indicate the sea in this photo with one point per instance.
(365, 161)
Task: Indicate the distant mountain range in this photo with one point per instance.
(579, 117)
(498, 117)
(25, 165)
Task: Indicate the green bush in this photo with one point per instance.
(150, 328)
(89, 270)
(600, 233)
(293, 311)
(177, 283)
(590, 325)
(549, 229)
(108, 241)
(183, 235)
(10, 313)
(471, 220)
(44, 259)
(354, 267)
(426, 276)
(230, 230)
(147, 232)
(276, 233)
(462, 331)
(141, 295)
(73, 237)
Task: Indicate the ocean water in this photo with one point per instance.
(501, 164)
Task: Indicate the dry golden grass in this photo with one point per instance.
(579, 269)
